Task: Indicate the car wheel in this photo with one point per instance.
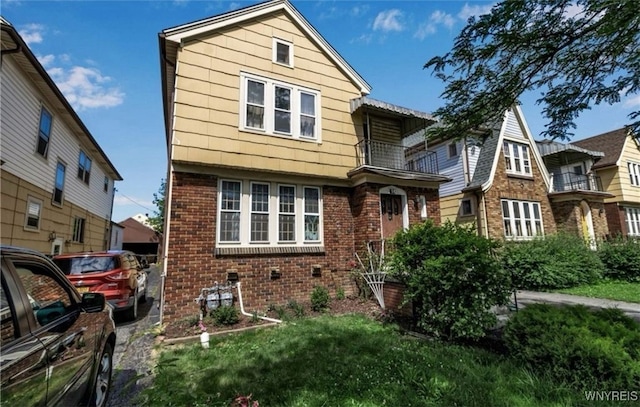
(103, 378)
(133, 311)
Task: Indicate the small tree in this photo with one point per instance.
(452, 277)
(157, 221)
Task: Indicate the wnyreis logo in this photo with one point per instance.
(612, 395)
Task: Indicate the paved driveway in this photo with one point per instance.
(131, 358)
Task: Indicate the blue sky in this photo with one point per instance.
(104, 57)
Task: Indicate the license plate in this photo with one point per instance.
(82, 289)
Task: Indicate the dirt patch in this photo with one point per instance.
(190, 326)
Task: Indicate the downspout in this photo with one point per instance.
(251, 315)
(166, 229)
(485, 223)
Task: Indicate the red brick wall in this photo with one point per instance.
(192, 265)
(568, 218)
(517, 188)
(616, 220)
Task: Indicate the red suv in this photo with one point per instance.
(115, 273)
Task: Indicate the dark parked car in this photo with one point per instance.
(56, 345)
(115, 273)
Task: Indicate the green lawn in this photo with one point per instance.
(345, 361)
(612, 290)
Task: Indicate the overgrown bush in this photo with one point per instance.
(225, 315)
(587, 350)
(555, 261)
(621, 258)
(452, 277)
(319, 299)
(296, 308)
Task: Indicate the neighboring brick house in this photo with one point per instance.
(576, 194)
(57, 185)
(500, 186)
(619, 171)
(140, 238)
(281, 167)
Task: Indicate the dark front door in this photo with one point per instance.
(391, 214)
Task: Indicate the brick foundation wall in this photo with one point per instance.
(615, 219)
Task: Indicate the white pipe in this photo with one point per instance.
(251, 315)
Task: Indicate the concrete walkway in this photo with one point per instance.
(529, 297)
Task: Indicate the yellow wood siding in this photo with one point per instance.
(207, 108)
(630, 153)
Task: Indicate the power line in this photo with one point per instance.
(142, 206)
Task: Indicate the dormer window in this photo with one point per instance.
(283, 52)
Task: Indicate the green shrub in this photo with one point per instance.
(555, 261)
(621, 259)
(319, 299)
(340, 294)
(297, 308)
(586, 350)
(225, 315)
(452, 277)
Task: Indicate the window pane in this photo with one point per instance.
(259, 198)
(287, 199)
(307, 104)
(286, 228)
(230, 195)
(44, 132)
(311, 227)
(255, 117)
(259, 227)
(307, 126)
(311, 200)
(283, 98)
(283, 122)
(255, 92)
(230, 227)
(259, 212)
(282, 53)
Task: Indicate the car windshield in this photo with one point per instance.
(83, 265)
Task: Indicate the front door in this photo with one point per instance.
(391, 214)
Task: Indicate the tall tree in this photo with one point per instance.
(578, 53)
(157, 221)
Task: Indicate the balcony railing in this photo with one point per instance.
(395, 156)
(568, 181)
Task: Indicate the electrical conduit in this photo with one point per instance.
(248, 314)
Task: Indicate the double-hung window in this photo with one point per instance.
(632, 216)
(521, 219)
(58, 190)
(44, 132)
(278, 108)
(516, 157)
(84, 167)
(634, 173)
(78, 230)
(268, 214)
(34, 207)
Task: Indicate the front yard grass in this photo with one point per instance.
(608, 289)
(345, 361)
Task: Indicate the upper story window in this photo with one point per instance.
(44, 132)
(522, 220)
(84, 167)
(278, 108)
(105, 185)
(516, 157)
(268, 214)
(452, 150)
(634, 173)
(34, 207)
(58, 191)
(283, 52)
(632, 216)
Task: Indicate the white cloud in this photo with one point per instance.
(86, 88)
(632, 101)
(436, 19)
(363, 39)
(357, 11)
(474, 10)
(32, 34)
(46, 60)
(388, 20)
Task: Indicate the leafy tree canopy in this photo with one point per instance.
(578, 53)
(157, 221)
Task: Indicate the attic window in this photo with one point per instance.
(452, 150)
(283, 52)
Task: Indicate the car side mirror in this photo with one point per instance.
(93, 302)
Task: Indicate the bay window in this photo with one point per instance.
(278, 108)
(264, 214)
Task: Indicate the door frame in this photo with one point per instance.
(394, 190)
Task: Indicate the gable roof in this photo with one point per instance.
(610, 143)
(172, 38)
(12, 43)
(136, 232)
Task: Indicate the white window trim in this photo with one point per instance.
(251, 211)
(522, 220)
(269, 108)
(471, 204)
(245, 216)
(277, 41)
(31, 200)
(55, 181)
(44, 109)
(634, 173)
(632, 218)
(513, 147)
